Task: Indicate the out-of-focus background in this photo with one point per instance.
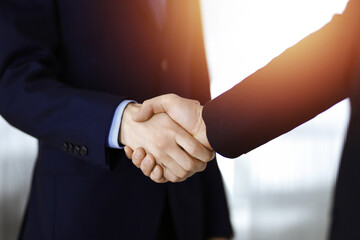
(280, 191)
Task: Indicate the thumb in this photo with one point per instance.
(128, 151)
(148, 109)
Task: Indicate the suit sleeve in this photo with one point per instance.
(305, 80)
(31, 96)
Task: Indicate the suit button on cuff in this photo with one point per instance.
(77, 150)
(70, 148)
(83, 151)
(65, 147)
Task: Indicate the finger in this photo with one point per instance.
(153, 106)
(157, 174)
(187, 165)
(186, 162)
(194, 148)
(148, 109)
(138, 156)
(183, 158)
(128, 152)
(163, 180)
(172, 170)
(172, 177)
(147, 165)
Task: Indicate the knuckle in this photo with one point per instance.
(145, 170)
(169, 176)
(173, 179)
(209, 157)
(172, 95)
(202, 167)
(212, 156)
(190, 165)
(182, 179)
(183, 175)
(146, 102)
(196, 102)
(193, 149)
(155, 178)
(146, 173)
(136, 162)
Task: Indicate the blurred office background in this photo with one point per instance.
(280, 191)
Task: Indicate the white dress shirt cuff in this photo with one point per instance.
(115, 125)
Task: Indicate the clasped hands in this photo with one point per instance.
(166, 138)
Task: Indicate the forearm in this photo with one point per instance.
(57, 114)
(293, 88)
(32, 95)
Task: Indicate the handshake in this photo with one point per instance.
(166, 138)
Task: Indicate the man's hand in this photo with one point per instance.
(187, 113)
(147, 164)
(174, 149)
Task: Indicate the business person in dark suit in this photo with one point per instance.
(67, 69)
(305, 80)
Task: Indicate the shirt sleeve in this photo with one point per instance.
(115, 125)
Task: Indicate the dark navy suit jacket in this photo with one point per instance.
(65, 65)
(305, 80)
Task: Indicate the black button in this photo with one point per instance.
(83, 151)
(65, 147)
(70, 148)
(77, 150)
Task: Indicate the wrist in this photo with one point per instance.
(127, 123)
(201, 133)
